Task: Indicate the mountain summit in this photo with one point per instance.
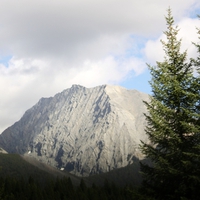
(82, 130)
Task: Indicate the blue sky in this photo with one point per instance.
(4, 60)
(140, 82)
(46, 46)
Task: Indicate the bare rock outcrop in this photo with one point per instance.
(3, 151)
(82, 130)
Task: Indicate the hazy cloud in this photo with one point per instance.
(46, 46)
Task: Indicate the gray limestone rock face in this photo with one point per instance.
(82, 130)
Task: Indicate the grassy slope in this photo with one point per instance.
(17, 166)
(13, 165)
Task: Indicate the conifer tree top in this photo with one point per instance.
(173, 124)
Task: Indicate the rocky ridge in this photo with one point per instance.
(82, 130)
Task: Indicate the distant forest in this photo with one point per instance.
(59, 189)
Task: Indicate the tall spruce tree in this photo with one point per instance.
(197, 61)
(173, 125)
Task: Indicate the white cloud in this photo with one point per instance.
(54, 44)
(187, 33)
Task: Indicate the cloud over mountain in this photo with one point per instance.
(47, 46)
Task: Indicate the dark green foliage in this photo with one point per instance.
(1, 191)
(173, 125)
(58, 189)
(13, 165)
(121, 177)
(21, 180)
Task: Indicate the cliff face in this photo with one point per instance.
(85, 131)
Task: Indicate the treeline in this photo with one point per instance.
(59, 189)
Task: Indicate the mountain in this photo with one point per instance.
(20, 179)
(17, 166)
(82, 130)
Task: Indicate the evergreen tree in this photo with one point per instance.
(1, 191)
(197, 61)
(173, 125)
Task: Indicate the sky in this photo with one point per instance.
(46, 46)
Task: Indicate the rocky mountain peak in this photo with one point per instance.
(82, 130)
